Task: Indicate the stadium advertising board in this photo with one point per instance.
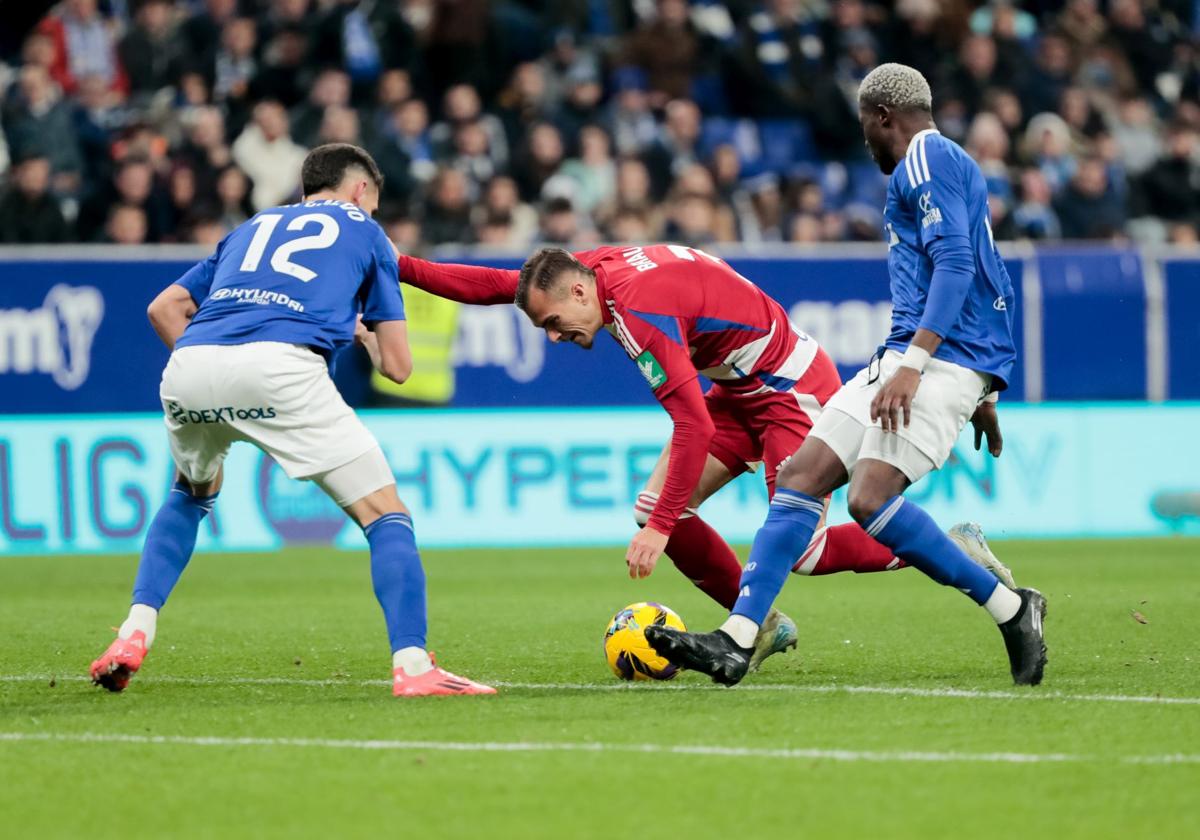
(533, 477)
(74, 337)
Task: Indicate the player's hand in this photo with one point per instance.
(987, 422)
(360, 331)
(894, 400)
(644, 550)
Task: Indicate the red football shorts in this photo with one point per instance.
(769, 428)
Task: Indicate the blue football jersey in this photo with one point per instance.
(939, 191)
(298, 274)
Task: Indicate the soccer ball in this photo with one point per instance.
(626, 649)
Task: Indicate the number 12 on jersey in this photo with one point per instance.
(281, 258)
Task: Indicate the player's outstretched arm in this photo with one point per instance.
(694, 431)
(387, 345)
(170, 313)
(463, 283)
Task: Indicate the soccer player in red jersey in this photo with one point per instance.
(678, 313)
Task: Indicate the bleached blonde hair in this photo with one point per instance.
(896, 86)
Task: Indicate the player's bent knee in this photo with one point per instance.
(364, 487)
(863, 505)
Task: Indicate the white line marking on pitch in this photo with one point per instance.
(891, 690)
(901, 756)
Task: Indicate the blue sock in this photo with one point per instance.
(917, 540)
(398, 578)
(170, 541)
(791, 521)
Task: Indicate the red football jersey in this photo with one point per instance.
(678, 312)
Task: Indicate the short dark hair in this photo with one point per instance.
(325, 167)
(543, 271)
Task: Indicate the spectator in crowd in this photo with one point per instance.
(150, 53)
(629, 119)
(1049, 75)
(409, 133)
(1048, 145)
(134, 185)
(1089, 208)
(181, 193)
(37, 118)
(1034, 216)
(541, 159)
(265, 151)
(562, 225)
(1171, 187)
(282, 74)
(331, 88)
(612, 106)
(592, 175)
(98, 117)
(667, 48)
(201, 33)
(777, 54)
(472, 156)
(83, 46)
(677, 146)
(1136, 133)
(233, 205)
(204, 149)
(567, 63)
(126, 225)
(501, 200)
(461, 105)
(28, 212)
(448, 209)
(523, 103)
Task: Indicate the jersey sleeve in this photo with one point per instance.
(379, 295)
(939, 204)
(463, 283)
(693, 432)
(199, 278)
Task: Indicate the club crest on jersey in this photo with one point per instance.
(651, 370)
(933, 215)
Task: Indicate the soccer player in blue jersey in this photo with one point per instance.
(251, 330)
(949, 354)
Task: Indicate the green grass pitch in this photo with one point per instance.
(264, 709)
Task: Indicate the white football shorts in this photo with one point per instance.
(276, 396)
(946, 398)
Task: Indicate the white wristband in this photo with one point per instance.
(914, 357)
(992, 397)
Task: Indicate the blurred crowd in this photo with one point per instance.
(508, 122)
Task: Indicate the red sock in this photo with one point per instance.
(706, 559)
(845, 548)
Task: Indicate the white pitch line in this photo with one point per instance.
(902, 756)
(888, 690)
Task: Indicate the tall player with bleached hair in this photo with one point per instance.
(251, 330)
(949, 354)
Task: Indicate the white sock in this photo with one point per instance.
(141, 617)
(742, 630)
(1002, 604)
(414, 660)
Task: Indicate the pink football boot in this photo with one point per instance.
(120, 662)
(435, 682)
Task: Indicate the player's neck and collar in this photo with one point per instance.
(602, 293)
(916, 138)
(910, 128)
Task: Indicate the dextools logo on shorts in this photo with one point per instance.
(225, 414)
